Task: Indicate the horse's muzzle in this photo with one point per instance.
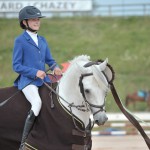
(101, 119)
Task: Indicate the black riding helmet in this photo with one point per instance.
(29, 12)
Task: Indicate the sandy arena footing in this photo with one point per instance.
(127, 142)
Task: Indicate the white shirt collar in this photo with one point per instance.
(33, 36)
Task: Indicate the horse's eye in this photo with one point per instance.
(87, 91)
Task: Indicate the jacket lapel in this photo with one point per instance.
(39, 42)
(30, 40)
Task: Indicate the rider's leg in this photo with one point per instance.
(32, 95)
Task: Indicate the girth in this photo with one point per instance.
(87, 139)
(87, 144)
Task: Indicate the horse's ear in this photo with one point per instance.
(108, 71)
(103, 65)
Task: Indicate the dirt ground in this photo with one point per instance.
(126, 142)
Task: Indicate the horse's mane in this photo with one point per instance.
(80, 58)
(74, 62)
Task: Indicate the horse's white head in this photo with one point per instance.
(91, 84)
(95, 87)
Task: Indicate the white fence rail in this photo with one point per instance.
(118, 124)
(142, 9)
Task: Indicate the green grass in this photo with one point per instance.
(125, 41)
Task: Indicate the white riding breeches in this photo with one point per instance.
(32, 95)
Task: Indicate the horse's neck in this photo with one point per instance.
(70, 92)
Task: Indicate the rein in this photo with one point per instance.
(79, 107)
(120, 105)
(129, 116)
(70, 105)
(8, 99)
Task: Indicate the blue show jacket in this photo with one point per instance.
(28, 58)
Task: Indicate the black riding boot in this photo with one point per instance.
(28, 125)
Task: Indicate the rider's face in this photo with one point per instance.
(33, 23)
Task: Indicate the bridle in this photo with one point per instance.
(87, 103)
(116, 98)
(81, 107)
(84, 107)
(101, 107)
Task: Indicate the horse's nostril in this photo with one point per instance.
(96, 121)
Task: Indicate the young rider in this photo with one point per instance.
(31, 53)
